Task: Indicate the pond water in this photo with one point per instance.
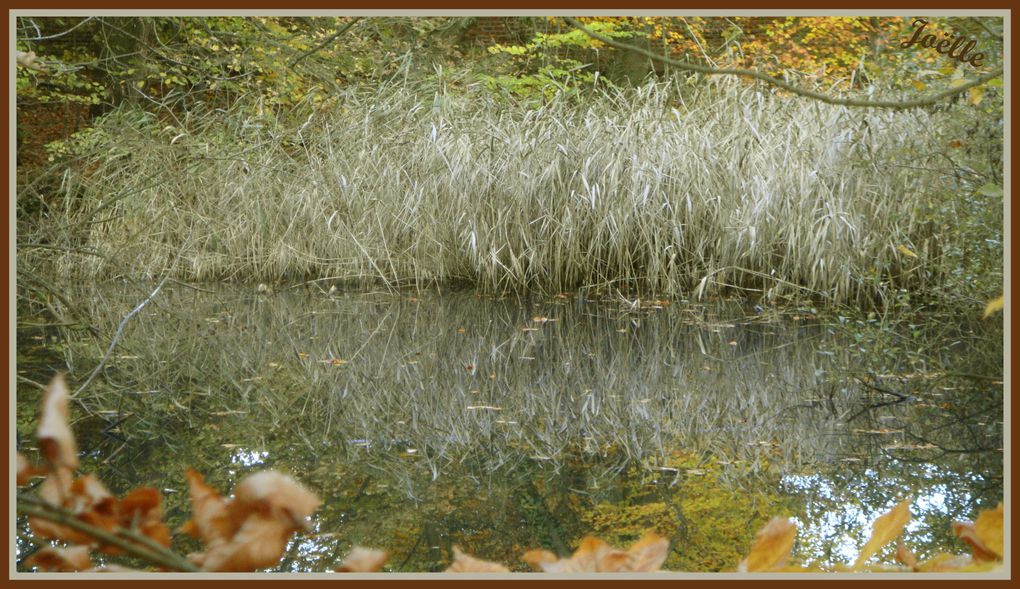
(501, 424)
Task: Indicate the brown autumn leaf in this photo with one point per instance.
(989, 529)
(250, 531)
(258, 543)
(142, 509)
(363, 560)
(885, 529)
(595, 556)
(465, 563)
(771, 546)
(209, 519)
(86, 497)
(62, 560)
(966, 532)
(56, 441)
(277, 493)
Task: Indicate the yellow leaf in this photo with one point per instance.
(975, 95)
(884, 530)
(771, 547)
(905, 251)
(989, 529)
(993, 306)
(919, 85)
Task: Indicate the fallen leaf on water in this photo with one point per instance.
(465, 563)
(885, 529)
(363, 560)
(63, 560)
(771, 546)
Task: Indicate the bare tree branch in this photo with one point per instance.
(893, 104)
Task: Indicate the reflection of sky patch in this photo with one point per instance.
(247, 457)
(839, 517)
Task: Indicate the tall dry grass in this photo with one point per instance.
(669, 188)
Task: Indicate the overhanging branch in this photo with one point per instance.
(712, 71)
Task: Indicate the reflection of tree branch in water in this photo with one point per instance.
(900, 398)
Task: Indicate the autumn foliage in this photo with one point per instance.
(251, 530)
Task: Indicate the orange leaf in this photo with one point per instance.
(209, 519)
(259, 543)
(648, 553)
(464, 563)
(989, 529)
(771, 546)
(362, 560)
(64, 560)
(966, 532)
(884, 530)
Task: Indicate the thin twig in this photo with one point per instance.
(329, 40)
(149, 551)
(116, 336)
(893, 104)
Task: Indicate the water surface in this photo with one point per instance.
(501, 424)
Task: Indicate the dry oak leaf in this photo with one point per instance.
(595, 556)
(771, 546)
(209, 519)
(363, 560)
(465, 563)
(885, 529)
(250, 531)
(64, 560)
(142, 509)
(86, 497)
(258, 543)
(56, 441)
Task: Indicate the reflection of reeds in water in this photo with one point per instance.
(482, 384)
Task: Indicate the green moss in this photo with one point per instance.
(711, 522)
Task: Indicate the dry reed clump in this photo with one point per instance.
(665, 188)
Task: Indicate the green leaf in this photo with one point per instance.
(990, 190)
